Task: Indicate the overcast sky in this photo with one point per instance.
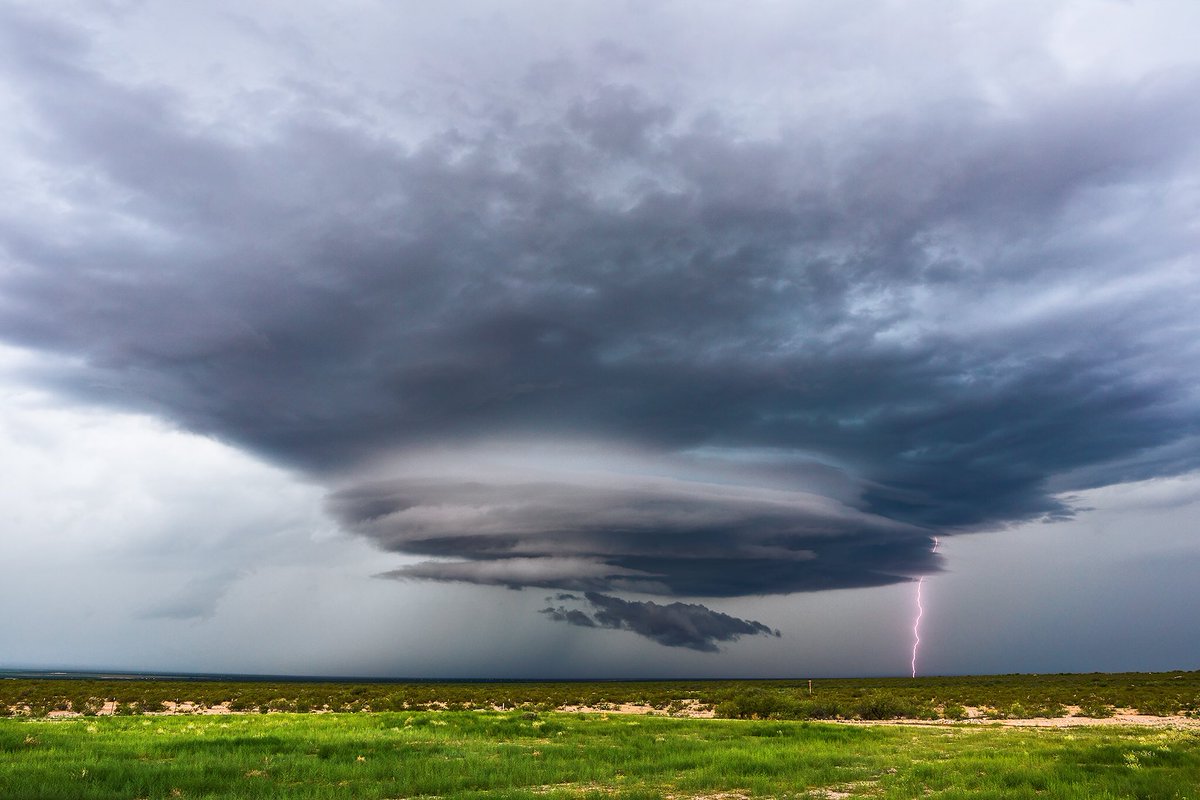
(599, 339)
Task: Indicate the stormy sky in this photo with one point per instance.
(547, 339)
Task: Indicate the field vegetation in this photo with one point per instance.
(992, 697)
(528, 754)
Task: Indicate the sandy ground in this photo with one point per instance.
(1121, 716)
(169, 709)
(689, 708)
(693, 710)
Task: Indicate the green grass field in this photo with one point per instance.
(554, 755)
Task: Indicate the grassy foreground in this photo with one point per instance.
(529, 755)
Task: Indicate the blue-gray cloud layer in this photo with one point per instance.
(675, 624)
(939, 312)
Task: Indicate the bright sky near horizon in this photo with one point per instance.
(599, 339)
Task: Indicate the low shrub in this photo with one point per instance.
(954, 711)
(757, 704)
(1160, 707)
(877, 705)
(1095, 708)
(91, 706)
(819, 709)
(1050, 709)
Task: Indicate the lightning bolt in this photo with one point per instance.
(920, 613)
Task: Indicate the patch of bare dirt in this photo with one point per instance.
(1121, 717)
(691, 709)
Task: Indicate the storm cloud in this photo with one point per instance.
(610, 314)
(664, 537)
(688, 625)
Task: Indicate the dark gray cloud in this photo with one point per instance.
(938, 314)
(572, 616)
(659, 536)
(688, 625)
